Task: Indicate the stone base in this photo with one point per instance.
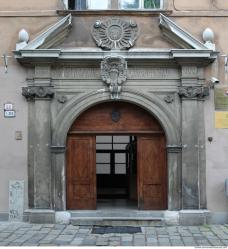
(4, 216)
(182, 217)
(194, 217)
(44, 216)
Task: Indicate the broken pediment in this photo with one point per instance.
(178, 36)
(51, 37)
(144, 39)
(149, 34)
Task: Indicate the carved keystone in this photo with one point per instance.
(114, 74)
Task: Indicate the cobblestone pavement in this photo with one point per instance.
(25, 234)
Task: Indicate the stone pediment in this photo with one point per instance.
(47, 44)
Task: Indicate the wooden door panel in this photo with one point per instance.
(152, 173)
(81, 172)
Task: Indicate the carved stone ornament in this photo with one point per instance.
(32, 92)
(115, 33)
(114, 73)
(192, 92)
(169, 99)
(62, 99)
(116, 115)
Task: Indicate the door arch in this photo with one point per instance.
(116, 118)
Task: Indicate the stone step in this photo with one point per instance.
(117, 221)
(117, 218)
(117, 213)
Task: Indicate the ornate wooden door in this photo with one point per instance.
(152, 173)
(81, 172)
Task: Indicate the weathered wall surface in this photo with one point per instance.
(13, 153)
(35, 16)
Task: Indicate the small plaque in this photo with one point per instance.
(221, 120)
(8, 106)
(18, 135)
(221, 98)
(16, 200)
(10, 114)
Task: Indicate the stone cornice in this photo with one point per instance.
(196, 57)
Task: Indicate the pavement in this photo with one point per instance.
(26, 234)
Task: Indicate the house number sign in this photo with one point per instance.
(9, 112)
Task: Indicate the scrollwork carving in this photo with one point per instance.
(115, 33)
(191, 92)
(40, 92)
(114, 74)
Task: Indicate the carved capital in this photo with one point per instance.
(39, 92)
(114, 74)
(192, 92)
(115, 33)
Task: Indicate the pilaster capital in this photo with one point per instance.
(193, 92)
(37, 92)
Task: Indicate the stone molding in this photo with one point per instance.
(115, 33)
(37, 92)
(114, 74)
(58, 149)
(192, 92)
(173, 148)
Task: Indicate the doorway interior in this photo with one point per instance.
(116, 155)
(116, 171)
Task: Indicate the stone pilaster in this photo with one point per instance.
(174, 173)
(193, 164)
(39, 95)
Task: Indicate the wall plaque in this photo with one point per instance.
(221, 98)
(221, 120)
(16, 200)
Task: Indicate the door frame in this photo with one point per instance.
(139, 175)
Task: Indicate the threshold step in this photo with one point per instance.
(117, 221)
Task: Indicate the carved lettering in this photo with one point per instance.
(76, 73)
(189, 71)
(152, 73)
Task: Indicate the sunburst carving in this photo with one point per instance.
(115, 33)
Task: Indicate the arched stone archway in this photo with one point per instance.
(75, 107)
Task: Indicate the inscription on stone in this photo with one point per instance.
(76, 73)
(189, 71)
(16, 200)
(133, 73)
(152, 73)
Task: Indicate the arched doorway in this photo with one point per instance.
(125, 131)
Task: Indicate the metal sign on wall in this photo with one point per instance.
(221, 98)
(221, 107)
(9, 112)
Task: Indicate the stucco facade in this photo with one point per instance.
(161, 71)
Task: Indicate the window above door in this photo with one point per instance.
(114, 4)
